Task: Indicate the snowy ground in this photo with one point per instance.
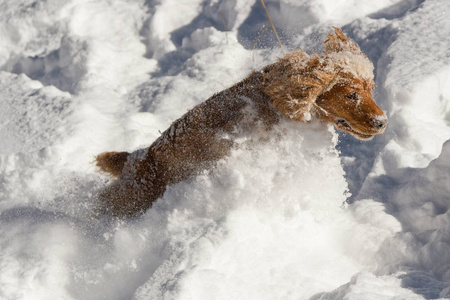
(315, 215)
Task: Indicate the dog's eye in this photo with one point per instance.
(353, 96)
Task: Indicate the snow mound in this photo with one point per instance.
(32, 116)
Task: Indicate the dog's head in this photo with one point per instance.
(350, 107)
(335, 87)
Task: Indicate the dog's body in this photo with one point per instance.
(191, 144)
(299, 86)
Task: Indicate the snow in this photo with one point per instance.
(311, 213)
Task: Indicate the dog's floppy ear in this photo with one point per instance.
(338, 42)
(346, 57)
(295, 81)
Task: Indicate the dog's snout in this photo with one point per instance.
(380, 122)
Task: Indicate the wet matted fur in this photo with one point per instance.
(335, 87)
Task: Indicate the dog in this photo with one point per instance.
(335, 87)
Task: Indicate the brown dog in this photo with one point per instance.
(335, 87)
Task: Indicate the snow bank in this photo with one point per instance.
(371, 287)
(220, 224)
(30, 131)
(270, 221)
(417, 89)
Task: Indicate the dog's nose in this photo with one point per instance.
(380, 122)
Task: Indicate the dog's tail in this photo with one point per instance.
(112, 162)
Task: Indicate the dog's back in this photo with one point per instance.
(190, 145)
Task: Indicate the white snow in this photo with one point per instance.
(289, 218)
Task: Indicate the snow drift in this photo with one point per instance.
(315, 214)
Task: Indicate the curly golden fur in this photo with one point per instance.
(335, 87)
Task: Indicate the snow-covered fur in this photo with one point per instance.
(335, 87)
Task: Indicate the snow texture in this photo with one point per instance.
(311, 213)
